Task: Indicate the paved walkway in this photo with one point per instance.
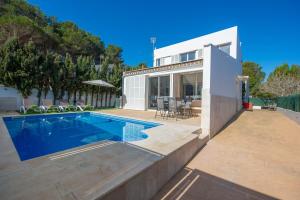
(255, 157)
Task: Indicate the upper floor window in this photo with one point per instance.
(183, 57)
(158, 62)
(192, 55)
(225, 48)
(188, 56)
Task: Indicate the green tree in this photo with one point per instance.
(56, 73)
(283, 81)
(83, 67)
(256, 76)
(41, 78)
(26, 22)
(70, 75)
(142, 66)
(16, 66)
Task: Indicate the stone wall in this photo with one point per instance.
(223, 110)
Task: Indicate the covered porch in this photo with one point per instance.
(184, 86)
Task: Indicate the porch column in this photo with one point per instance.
(171, 85)
(246, 97)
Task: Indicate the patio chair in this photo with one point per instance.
(272, 106)
(160, 107)
(173, 109)
(196, 107)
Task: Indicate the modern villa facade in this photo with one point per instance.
(207, 68)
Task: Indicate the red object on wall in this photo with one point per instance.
(247, 106)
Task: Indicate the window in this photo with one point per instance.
(158, 62)
(225, 48)
(192, 55)
(191, 86)
(183, 57)
(188, 56)
(158, 86)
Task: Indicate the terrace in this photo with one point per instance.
(103, 169)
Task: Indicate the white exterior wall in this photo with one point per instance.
(221, 91)
(134, 92)
(229, 35)
(16, 98)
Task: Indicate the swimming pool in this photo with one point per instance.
(39, 135)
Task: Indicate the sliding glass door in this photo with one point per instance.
(158, 86)
(164, 86)
(153, 92)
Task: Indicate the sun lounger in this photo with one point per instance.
(63, 105)
(28, 105)
(47, 104)
(25, 106)
(81, 106)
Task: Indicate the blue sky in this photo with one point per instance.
(269, 30)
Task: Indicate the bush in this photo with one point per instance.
(34, 109)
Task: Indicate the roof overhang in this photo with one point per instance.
(165, 68)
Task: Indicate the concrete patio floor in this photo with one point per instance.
(255, 157)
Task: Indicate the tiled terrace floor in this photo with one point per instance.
(255, 157)
(150, 115)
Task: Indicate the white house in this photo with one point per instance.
(208, 68)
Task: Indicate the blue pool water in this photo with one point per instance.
(40, 135)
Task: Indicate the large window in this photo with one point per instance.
(187, 56)
(191, 86)
(158, 86)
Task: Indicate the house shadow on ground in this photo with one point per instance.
(191, 184)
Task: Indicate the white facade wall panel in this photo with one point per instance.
(222, 92)
(134, 92)
(229, 35)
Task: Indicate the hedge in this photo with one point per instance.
(291, 102)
